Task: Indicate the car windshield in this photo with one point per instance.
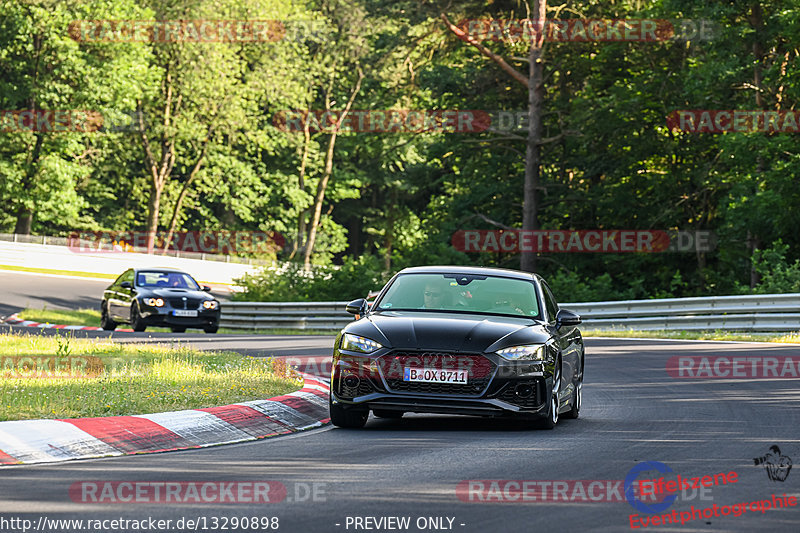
(461, 293)
(167, 280)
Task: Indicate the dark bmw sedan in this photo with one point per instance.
(456, 340)
(159, 297)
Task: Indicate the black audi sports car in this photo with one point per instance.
(159, 297)
(459, 340)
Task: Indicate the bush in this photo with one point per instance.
(778, 276)
(290, 283)
(568, 286)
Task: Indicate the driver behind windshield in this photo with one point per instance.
(434, 297)
(176, 281)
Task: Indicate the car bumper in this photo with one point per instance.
(505, 390)
(160, 316)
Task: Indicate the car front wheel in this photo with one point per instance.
(577, 398)
(348, 418)
(137, 322)
(550, 421)
(211, 329)
(105, 320)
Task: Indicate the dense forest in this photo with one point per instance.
(239, 132)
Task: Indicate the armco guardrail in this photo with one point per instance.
(763, 312)
(328, 316)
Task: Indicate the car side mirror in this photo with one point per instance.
(126, 285)
(565, 317)
(206, 288)
(357, 307)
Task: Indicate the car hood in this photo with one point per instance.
(448, 331)
(175, 293)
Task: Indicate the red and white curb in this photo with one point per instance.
(49, 441)
(14, 320)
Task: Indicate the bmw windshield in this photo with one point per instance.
(461, 293)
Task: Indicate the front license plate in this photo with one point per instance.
(435, 375)
(182, 312)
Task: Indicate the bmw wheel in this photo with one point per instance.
(137, 322)
(105, 320)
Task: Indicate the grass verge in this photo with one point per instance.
(81, 317)
(91, 317)
(63, 377)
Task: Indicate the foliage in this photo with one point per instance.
(778, 275)
(355, 278)
(396, 199)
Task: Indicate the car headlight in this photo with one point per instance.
(354, 343)
(154, 302)
(210, 304)
(528, 352)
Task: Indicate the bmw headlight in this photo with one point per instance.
(210, 304)
(527, 352)
(354, 343)
(154, 302)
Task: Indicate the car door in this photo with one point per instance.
(121, 303)
(567, 338)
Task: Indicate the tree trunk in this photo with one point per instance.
(757, 22)
(185, 190)
(533, 150)
(316, 215)
(153, 209)
(299, 239)
(24, 221)
(323, 182)
(159, 171)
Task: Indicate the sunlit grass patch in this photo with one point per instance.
(132, 379)
(81, 317)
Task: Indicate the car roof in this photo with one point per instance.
(166, 270)
(481, 271)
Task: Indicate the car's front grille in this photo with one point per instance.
(178, 303)
(479, 372)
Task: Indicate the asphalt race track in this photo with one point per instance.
(633, 412)
(347, 480)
